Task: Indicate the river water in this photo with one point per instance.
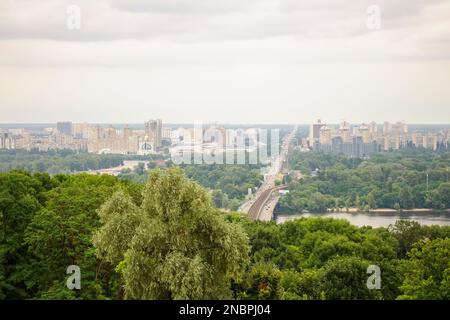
(376, 219)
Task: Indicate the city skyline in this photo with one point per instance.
(148, 138)
(258, 62)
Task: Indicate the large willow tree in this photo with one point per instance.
(176, 245)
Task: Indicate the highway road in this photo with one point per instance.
(263, 202)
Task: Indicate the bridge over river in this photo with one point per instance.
(262, 204)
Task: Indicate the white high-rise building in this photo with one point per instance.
(6, 141)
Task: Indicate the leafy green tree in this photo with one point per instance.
(317, 203)
(140, 168)
(387, 180)
(392, 276)
(301, 285)
(220, 199)
(54, 162)
(440, 198)
(233, 180)
(345, 278)
(428, 271)
(19, 202)
(175, 245)
(262, 282)
(151, 165)
(60, 235)
(371, 200)
(406, 198)
(407, 233)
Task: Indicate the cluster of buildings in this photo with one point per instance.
(216, 144)
(366, 139)
(148, 139)
(214, 135)
(87, 137)
(349, 139)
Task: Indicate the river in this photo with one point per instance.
(376, 219)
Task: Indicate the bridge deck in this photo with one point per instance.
(257, 207)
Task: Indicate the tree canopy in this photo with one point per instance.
(166, 240)
(404, 179)
(176, 245)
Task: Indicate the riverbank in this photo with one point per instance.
(388, 210)
(376, 219)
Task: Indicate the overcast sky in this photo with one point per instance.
(238, 61)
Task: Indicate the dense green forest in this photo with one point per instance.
(62, 161)
(405, 179)
(229, 183)
(166, 240)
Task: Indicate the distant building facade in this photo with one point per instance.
(153, 130)
(364, 140)
(64, 128)
(314, 132)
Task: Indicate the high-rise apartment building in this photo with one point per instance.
(314, 132)
(215, 134)
(112, 140)
(80, 130)
(153, 131)
(386, 127)
(345, 131)
(399, 128)
(166, 133)
(325, 135)
(373, 127)
(365, 139)
(365, 133)
(64, 128)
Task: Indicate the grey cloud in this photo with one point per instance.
(315, 24)
(201, 20)
(183, 6)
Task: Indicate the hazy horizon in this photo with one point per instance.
(380, 124)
